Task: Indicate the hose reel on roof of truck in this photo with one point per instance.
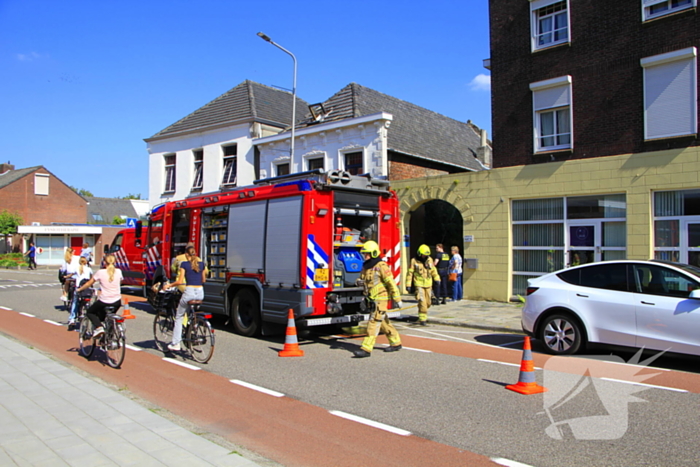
(342, 176)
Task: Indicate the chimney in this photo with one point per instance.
(483, 153)
(4, 168)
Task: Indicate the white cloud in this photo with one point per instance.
(481, 83)
(28, 57)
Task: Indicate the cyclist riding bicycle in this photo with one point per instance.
(110, 280)
(68, 268)
(83, 273)
(192, 272)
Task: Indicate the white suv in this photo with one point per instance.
(650, 304)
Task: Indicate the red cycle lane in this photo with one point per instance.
(285, 430)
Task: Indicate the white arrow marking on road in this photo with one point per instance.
(371, 423)
(257, 388)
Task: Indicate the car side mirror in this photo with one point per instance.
(695, 294)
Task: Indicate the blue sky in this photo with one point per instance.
(82, 83)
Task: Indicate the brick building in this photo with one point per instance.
(54, 216)
(592, 79)
(39, 196)
(595, 142)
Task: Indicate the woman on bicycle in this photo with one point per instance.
(110, 280)
(67, 270)
(84, 273)
(193, 273)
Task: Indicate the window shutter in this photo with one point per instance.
(669, 99)
(552, 97)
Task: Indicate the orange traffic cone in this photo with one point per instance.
(291, 345)
(127, 312)
(526, 382)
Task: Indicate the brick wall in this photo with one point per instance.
(402, 167)
(608, 39)
(61, 205)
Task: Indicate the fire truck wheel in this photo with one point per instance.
(245, 313)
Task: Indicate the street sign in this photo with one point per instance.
(131, 222)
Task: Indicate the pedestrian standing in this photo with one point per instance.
(442, 263)
(31, 255)
(379, 289)
(456, 268)
(421, 274)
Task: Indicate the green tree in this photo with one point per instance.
(9, 222)
(117, 220)
(132, 196)
(82, 192)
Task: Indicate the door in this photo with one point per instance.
(692, 237)
(583, 245)
(666, 318)
(77, 244)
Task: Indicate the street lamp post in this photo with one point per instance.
(294, 96)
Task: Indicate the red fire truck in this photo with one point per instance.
(286, 242)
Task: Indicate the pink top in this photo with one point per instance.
(110, 291)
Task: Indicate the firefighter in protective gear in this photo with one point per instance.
(378, 281)
(421, 275)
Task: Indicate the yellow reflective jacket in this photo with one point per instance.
(379, 284)
(422, 275)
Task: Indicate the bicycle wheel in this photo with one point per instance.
(87, 345)
(163, 330)
(115, 345)
(200, 339)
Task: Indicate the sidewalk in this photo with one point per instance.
(52, 415)
(489, 316)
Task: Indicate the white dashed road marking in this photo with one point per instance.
(371, 423)
(257, 388)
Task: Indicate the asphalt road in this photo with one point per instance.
(447, 386)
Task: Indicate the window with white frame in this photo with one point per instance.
(41, 184)
(198, 169)
(550, 23)
(230, 165)
(552, 121)
(170, 161)
(655, 8)
(282, 169)
(353, 163)
(677, 226)
(670, 94)
(314, 163)
(549, 234)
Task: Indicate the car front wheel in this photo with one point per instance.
(561, 334)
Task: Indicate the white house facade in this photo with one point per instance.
(356, 145)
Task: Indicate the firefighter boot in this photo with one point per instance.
(362, 353)
(393, 348)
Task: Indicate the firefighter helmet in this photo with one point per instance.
(370, 247)
(424, 250)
